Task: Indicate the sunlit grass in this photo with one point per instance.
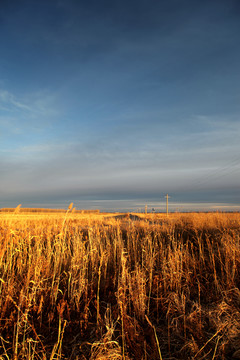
(101, 286)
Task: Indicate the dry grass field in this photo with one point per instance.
(103, 286)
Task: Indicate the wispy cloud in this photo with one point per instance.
(9, 102)
(39, 102)
(28, 115)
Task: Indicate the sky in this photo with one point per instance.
(120, 102)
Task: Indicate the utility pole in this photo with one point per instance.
(145, 209)
(166, 203)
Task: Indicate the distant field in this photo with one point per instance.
(45, 211)
(119, 286)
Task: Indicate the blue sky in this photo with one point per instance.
(119, 100)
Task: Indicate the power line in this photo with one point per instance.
(218, 173)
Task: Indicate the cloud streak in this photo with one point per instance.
(10, 103)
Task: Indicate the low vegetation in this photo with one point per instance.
(92, 286)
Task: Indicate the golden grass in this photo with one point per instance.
(140, 286)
